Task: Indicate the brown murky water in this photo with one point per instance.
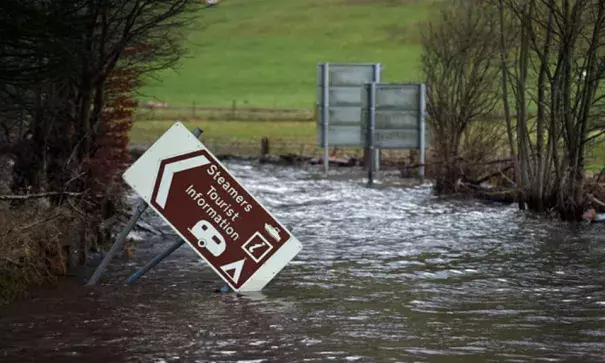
(387, 274)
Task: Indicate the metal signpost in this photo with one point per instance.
(139, 210)
(395, 119)
(371, 128)
(211, 211)
(339, 96)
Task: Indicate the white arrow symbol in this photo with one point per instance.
(169, 172)
(236, 267)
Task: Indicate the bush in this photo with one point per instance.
(31, 253)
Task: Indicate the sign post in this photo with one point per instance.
(139, 210)
(211, 211)
(395, 114)
(339, 100)
(376, 153)
(422, 130)
(370, 125)
(325, 76)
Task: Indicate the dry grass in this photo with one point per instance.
(30, 246)
(235, 113)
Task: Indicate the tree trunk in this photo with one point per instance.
(507, 116)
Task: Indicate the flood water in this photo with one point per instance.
(387, 274)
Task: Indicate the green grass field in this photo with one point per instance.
(264, 53)
(228, 131)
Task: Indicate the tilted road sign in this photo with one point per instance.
(194, 193)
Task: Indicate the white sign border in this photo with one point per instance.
(178, 140)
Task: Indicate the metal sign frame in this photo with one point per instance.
(325, 103)
(374, 107)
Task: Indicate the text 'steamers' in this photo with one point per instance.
(230, 216)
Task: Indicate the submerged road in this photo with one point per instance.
(387, 274)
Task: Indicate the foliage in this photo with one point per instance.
(556, 64)
(30, 247)
(459, 61)
(68, 73)
(550, 59)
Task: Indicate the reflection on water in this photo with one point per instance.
(386, 274)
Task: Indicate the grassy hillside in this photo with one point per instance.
(265, 52)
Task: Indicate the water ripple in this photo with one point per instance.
(386, 274)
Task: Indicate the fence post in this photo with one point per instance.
(370, 126)
(422, 132)
(264, 148)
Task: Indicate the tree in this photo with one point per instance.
(68, 73)
(550, 61)
(556, 69)
(459, 61)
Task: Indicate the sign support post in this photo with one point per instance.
(371, 120)
(151, 264)
(159, 258)
(325, 113)
(376, 154)
(422, 132)
(140, 209)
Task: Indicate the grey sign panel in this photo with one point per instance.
(350, 74)
(343, 135)
(341, 101)
(406, 97)
(397, 116)
(395, 119)
(396, 139)
(345, 96)
(345, 115)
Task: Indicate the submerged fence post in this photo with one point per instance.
(140, 209)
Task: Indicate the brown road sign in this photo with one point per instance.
(213, 212)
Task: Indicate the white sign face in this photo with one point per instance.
(210, 210)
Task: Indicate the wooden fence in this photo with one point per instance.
(237, 112)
